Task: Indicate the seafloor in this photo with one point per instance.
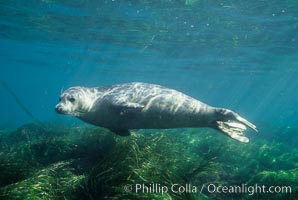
(82, 162)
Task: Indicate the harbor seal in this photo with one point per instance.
(128, 106)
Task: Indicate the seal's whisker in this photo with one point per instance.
(61, 90)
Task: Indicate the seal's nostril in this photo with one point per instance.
(58, 109)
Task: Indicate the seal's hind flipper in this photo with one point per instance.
(232, 124)
(233, 129)
(122, 132)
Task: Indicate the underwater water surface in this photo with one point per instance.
(240, 55)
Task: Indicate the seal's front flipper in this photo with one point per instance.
(122, 132)
(232, 124)
(126, 107)
(131, 105)
(125, 104)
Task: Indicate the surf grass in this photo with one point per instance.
(13, 168)
(146, 160)
(35, 162)
(52, 162)
(56, 181)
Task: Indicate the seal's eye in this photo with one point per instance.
(71, 99)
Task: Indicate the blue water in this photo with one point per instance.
(240, 55)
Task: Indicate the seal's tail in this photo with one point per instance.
(232, 124)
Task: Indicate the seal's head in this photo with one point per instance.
(76, 101)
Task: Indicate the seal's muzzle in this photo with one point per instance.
(59, 109)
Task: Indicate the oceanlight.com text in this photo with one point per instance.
(247, 189)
